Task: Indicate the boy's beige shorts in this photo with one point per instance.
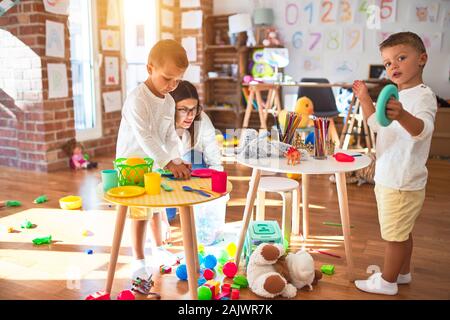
(138, 213)
(398, 211)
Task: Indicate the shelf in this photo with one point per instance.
(208, 108)
(221, 78)
(220, 47)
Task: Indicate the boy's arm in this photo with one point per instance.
(362, 93)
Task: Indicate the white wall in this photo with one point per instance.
(437, 71)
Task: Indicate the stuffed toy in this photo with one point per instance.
(271, 273)
(271, 38)
(77, 159)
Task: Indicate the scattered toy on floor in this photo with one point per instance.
(126, 295)
(327, 269)
(10, 203)
(27, 225)
(42, 240)
(99, 295)
(77, 158)
(40, 199)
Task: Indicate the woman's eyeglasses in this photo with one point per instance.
(186, 111)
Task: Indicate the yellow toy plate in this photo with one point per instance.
(126, 191)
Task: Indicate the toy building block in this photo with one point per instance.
(327, 269)
(43, 240)
(165, 269)
(221, 295)
(13, 203)
(10, 229)
(241, 281)
(226, 287)
(26, 225)
(126, 295)
(41, 199)
(216, 285)
(234, 294)
(235, 286)
(211, 287)
(225, 298)
(99, 295)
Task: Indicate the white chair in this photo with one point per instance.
(289, 190)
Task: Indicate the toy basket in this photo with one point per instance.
(132, 175)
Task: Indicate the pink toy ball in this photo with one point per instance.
(247, 79)
(229, 269)
(208, 274)
(126, 295)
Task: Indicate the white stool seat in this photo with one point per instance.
(277, 184)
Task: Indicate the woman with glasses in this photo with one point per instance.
(197, 143)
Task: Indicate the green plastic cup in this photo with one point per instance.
(110, 179)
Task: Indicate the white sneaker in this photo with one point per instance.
(376, 284)
(164, 257)
(404, 278)
(139, 269)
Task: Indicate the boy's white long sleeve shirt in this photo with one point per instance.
(401, 158)
(205, 142)
(147, 127)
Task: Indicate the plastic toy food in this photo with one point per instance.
(293, 156)
(342, 157)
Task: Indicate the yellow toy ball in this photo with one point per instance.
(305, 108)
(136, 174)
(294, 176)
(219, 139)
(231, 249)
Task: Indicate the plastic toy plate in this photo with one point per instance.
(165, 173)
(126, 191)
(202, 173)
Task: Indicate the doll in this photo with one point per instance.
(77, 160)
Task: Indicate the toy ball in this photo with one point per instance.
(388, 92)
(201, 249)
(241, 281)
(294, 176)
(204, 293)
(230, 269)
(181, 272)
(210, 261)
(224, 257)
(231, 249)
(208, 274)
(310, 138)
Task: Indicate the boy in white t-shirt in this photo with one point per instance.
(402, 151)
(147, 130)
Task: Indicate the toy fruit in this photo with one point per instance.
(135, 174)
(241, 281)
(229, 269)
(40, 199)
(342, 157)
(43, 240)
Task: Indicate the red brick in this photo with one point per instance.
(8, 133)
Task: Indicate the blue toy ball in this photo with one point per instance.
(201, 281)
(210, 262)
(310, 138)
(181, 272)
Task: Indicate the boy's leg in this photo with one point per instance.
(155, 224)
(138, 233)
(162, 256)
(395, 256)
(406, 267)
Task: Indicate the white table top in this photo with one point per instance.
(308, 166)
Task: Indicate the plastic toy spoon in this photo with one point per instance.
(189, 189)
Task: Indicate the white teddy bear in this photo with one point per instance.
(270, 273)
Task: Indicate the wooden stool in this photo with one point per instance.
(289, 191)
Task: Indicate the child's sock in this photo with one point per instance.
(140, 269)
(376, 284)
(404, 278)
(164, 257)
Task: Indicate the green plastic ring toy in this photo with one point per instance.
(388, 91)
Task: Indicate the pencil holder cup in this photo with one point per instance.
(152, 181)
(321, 138)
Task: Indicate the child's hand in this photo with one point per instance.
(360, 90)
(394, 109)
(180, 171)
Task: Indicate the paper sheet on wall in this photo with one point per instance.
(110, 40)
(111, 71)
(192, 74)
(54, 39)
(190, 45)
(57, 7)
(167, 35)
(192, 19)
(189, 3)
(167, 18)
(5, 5)
(432, 41)
(113, 17)
(57, 80)
(168, 3)
(112, 101)
(424, 11)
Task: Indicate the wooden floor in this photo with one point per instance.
(29, 272)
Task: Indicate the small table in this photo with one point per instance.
(305, 168)
(176, 198)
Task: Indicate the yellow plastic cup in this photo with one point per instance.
(152, 181)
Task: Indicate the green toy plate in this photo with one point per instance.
(389, 91)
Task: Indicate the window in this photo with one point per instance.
(85, 79)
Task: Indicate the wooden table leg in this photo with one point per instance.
(261, 107)
(345, 220)
(194, 241)
(305, 205)
(287, 216)
(296, 211)
(188, 242)
(248, 110)
(120, 223)
(251, 195)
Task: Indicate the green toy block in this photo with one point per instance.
(26, 225)
(43, 240)
(327, 269)
(235, 286)
(41, 199)
(241, 281)
(13, 203)
(166, 187)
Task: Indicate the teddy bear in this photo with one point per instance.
(271, 272)
(271, 38)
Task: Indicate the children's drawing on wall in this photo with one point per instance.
(112, 101)
(312, 63)
(113, 18)
(343, 69)
(432, 41)
(111, 70)
(57, 6)
(354, 39)
(140, 35)
(5, 5)
(57, 80)
(110, 40)
(424, 11)
(54, 39)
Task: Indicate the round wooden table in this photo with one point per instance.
(176, 198)
(305, 168)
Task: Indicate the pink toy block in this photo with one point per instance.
(235, 294)
(126, 295)
(212, 288)
(99, 295)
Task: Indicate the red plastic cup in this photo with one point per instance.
(219, 181)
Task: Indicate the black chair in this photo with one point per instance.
(323, 101)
